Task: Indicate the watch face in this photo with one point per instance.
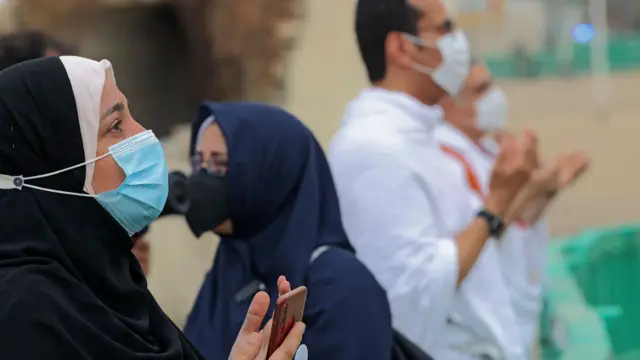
(495, 223)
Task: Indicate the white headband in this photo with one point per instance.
(208, 121)
(87, 79)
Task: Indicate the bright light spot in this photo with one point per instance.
(583, 33)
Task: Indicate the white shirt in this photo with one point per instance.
(402, 204)
(522, 249)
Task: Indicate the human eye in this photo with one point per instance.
(217, 164)
(116, 126)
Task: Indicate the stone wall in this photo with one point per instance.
(250, 42)
(237, 49)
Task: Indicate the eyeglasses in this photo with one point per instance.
(215, 164)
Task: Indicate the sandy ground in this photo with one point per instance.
(325, 73)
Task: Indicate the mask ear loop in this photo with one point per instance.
(18, 182)
(415, 40)
(419, 42)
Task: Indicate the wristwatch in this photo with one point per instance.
(495, 222)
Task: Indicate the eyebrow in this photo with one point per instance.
(218, 155)
(117, 107)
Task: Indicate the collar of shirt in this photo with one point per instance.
(450, 135)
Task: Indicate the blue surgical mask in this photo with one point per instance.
(139, 200)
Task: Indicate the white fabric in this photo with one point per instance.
(87, 79)
(302, 353)
(521, 250)
(402, 204)
(205, 124)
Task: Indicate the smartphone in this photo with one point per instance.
(289, 310)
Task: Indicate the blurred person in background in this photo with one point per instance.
(510, 266)
(78, 177)
(393, 184)
(24, 45)
(261, 181)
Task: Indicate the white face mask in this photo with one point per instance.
(456, 60)
(491, 110)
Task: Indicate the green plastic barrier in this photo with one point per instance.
(570, 329)
(623, 54)
(593, 296)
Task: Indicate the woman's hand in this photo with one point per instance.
(251, 343)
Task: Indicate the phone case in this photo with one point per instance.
(289, 310)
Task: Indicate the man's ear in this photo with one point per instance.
(399, 50)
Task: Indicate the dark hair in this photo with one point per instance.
(375, 19)
(26, 45)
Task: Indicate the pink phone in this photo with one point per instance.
(289, 310)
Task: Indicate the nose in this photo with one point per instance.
(206, 160)
(136, 128)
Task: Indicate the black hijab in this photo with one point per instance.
(69, 286)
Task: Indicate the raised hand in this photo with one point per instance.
(545, 183)
(515, 163)
(250, 339)
(251, 343)
(569, 168)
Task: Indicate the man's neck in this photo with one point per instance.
(429, 98)
(475, 136)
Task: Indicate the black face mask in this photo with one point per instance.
(177, 201)
(208, 207)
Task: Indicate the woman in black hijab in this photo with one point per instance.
(78, 177)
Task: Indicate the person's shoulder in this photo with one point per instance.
(33, 295)
(344, 296)
(364, 143)
(339, 270)
(442, 134)
(369, 130)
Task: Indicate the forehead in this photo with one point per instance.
(479, 75)
(211, 140)
(110, 93)
(434, 12)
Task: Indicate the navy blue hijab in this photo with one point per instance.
(283, 206)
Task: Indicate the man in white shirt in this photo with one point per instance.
(394, 185)
(465, 139)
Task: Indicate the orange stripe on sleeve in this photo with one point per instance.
(472, 179)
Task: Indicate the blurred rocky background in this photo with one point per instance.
(218, 50)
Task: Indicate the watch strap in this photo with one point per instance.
(495, 222)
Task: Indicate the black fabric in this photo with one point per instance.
(69, 286)
(208, 201)
(405, 349)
